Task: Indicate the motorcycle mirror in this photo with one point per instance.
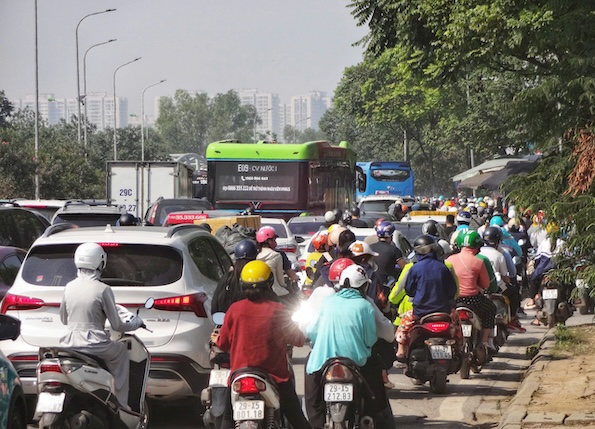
(516, 260)
(149, 303)
(218, 318)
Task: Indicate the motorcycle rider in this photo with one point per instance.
(86, 304)
(474, 280)
(356, 222)
(229, 289)
(262, 342)
(463, 220)
(266, 237)
(332, 336)
(430, 285)
(388, 257)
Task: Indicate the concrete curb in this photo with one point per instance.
(516, 411)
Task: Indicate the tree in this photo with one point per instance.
(6, 109)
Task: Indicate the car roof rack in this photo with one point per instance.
(88, 202)
(174, 229)
(59, 227)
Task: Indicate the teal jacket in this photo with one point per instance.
(345, 327)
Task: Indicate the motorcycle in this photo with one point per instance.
(581, 298)
(76, 390)
(474, 354)
(502, 319)
(344, 388)
(553, 306)
(214, 395)
(433, 351)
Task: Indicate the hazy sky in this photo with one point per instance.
(289, 47)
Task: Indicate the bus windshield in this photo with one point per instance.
(285, 179)
(389, 178)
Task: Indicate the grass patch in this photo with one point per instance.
(576, 340)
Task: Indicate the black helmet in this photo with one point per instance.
(346, 220)
(246, 249)
(430, 227)
(127, 220)
(355, 212)
(473, 210)
(492, 235)
(424, 244)
(338, 213)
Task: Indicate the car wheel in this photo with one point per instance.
(17, 416)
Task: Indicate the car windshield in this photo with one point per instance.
(410, 230)
(376, 206)
(304, 228)
(88, 219)
(127, 265)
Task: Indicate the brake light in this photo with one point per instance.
(23, 358)
(49, 367)
(194, 303)
(338, 372)
(19, 302)
(248, 386)
(289, 248)
(436, 326)
(465, 315)
(153, 213)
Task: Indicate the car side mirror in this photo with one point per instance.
(299, 238)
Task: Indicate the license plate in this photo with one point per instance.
(549, 293)
(50, 402)
(219, 377)
(338, 392)
(248, 410)
(441, 352)
(467, 329)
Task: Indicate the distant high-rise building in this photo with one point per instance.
(306, 111)
(267, 108)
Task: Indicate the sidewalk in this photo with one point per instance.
(566, 397)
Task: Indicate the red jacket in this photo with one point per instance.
(256, 334)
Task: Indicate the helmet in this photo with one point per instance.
(473, 209)
(265, 233)
(497, 221)
(337, 267)
(552, 227)
(492, 235)
(471, 239)
(353, 276)
(319, 241)
(90, 256)
(333, 236)
(464, 217)
(346, 218)
(338, 213)
(430, 227)
(378, 222)
(127, 220)
(329, 217)
(385, 229)
(355, 212)
(256, 274)
(444, 249)
(359, 248)
(424, 244)
(246, 249)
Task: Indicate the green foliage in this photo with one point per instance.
(6, 109)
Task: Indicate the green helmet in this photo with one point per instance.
(470, 238)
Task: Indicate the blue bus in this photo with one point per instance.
(383, 178)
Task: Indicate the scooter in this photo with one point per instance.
(214, 395)
(581, 297)
(474, 354)
(76, 390)
(502, 319)
(433, 351)
(553, 303)
(344, 388)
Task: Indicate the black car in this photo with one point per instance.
(20, 227)
(11, 259)
(157, 213)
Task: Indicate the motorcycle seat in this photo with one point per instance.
(435, 317)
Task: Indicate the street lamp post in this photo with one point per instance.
(295, 128)
(85, 84)
(142, 118)
(78, 73)
(36, 109)
(116, 109)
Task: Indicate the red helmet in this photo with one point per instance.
(319, 241)
(265, 233)
(337, 267)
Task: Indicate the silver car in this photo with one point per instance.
(179, 266)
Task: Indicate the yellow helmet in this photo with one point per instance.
(552, 227)
(256, 274)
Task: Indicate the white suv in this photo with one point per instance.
(179, 266)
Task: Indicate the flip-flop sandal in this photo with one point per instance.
(535, 322)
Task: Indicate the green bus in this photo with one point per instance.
(280, 179)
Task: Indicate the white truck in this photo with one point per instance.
(137, 184)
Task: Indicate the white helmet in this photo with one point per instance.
(353, 276)
(329, 217)
(90, 256)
